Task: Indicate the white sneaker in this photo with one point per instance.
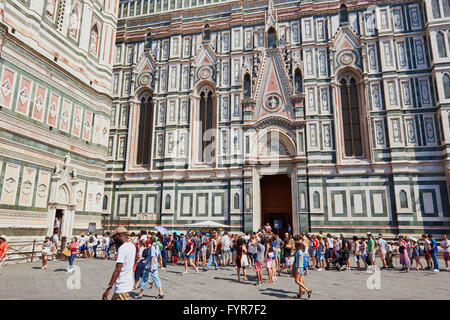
(436, 270)
(320, 269)
(184, 273)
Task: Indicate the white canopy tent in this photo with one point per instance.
(207, 224)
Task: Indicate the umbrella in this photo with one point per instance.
(174, 231)
(207, 224)
(162, 230)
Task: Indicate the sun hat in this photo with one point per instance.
(119, 230)
(3, 237)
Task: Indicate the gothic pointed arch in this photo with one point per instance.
(352, 113)
(207, 115)
(145, 129)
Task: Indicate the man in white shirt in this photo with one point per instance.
(225, 248)
(122, 278)
(83, 245)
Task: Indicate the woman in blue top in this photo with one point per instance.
(299, 278)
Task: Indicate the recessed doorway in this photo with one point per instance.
(276, 202)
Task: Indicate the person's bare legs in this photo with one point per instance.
(192, 264)
(301, 285)
(239, 274)
(244, 269)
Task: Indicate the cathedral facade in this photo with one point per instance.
(55, 102)
(316, 115)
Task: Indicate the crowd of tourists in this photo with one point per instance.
(265, 249)
(139, 256)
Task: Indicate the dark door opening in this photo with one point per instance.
(57, 224)
(276, 202)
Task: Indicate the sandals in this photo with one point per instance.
(309, 293)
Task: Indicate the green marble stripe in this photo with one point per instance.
(50, 149)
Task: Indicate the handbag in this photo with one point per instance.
(66, 252)
(244, 261)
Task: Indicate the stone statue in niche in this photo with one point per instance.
(94, 39)
(74, 18)
(50, 8)
(273, 103)
(66, 160)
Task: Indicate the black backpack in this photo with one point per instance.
(145, 253)
(91, 239)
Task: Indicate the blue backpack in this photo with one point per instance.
(178, 245)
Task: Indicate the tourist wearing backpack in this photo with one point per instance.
(141, 258)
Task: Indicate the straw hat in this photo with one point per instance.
(119, 230)
(3, 237)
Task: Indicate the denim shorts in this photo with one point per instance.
(321, 257)
(191, 256)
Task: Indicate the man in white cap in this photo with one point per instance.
(3, 248)
(122, 278)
